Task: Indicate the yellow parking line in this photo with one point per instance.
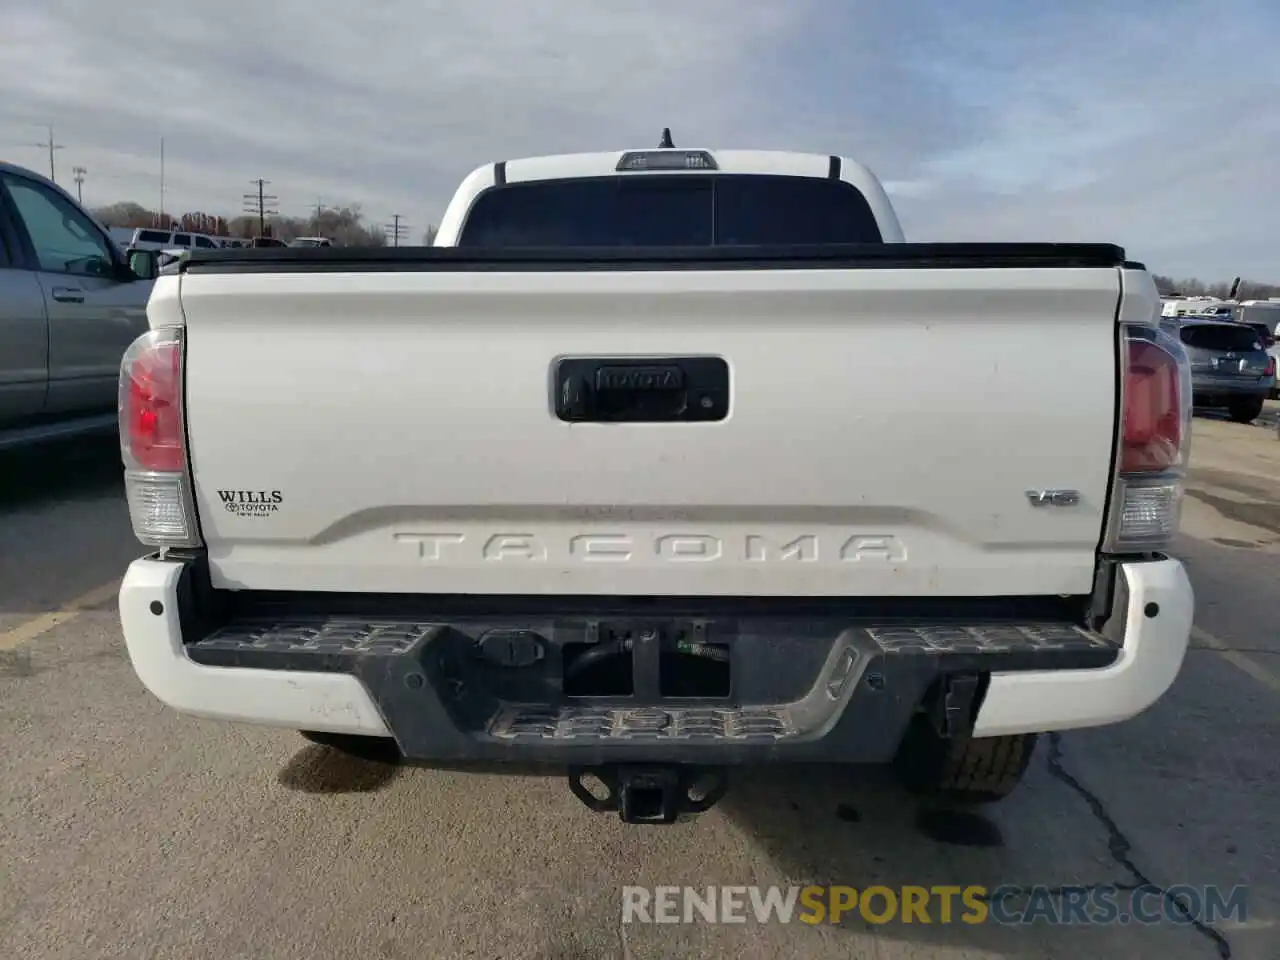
(15, 637)
(1237, 659)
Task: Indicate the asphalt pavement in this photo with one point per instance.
(127, 830)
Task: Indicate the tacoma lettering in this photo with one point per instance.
(514, 546)
(683, 547)
(761, 549)
(602, 546)
(430, 546)
(690, 547)
(857, 549)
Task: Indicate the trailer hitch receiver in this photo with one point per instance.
(650, 794)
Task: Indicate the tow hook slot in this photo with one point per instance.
(512, 648)
(951, 709)
(650, 794)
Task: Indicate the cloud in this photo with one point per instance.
(1152, 127)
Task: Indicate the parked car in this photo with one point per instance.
(1264, 315)
(148, 238)
(1266, 333)
(1230, 367)
(123, 236)
(71, 301)
(688, 500)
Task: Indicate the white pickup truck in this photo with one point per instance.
(645, 470)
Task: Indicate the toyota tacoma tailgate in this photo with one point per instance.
(737, 425)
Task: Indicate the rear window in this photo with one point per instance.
(152, 236)
(1264, 331)
(1214, 337)
(671, 210)
(205, 242)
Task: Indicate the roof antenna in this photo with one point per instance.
(666, 143)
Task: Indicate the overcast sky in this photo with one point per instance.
(1155, 125)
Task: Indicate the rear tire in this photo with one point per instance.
(962, 769)
(1245, 411)
(375, 749)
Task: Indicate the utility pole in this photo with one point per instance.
(396, 229)
(319, 210)
(162, 222)
(79, 174)
(52, 147)
(260, 203)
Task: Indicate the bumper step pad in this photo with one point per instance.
(337, 644)
(655, 723)
(804, 690)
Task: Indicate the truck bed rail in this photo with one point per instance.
(922, 256)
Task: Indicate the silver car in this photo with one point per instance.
(71, 301)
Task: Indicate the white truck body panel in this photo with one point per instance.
(846, 466)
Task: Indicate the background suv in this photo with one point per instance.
(1230, 366)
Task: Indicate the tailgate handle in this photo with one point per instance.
(634, 390)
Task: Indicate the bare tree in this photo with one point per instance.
(345, 226)
(126, 214)
(1193, 287)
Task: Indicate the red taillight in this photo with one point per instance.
(1152, 436)
(1155, 442)
(151, 430)
(153, 441)
(1271, 367)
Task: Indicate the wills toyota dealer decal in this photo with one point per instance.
(250, 503)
